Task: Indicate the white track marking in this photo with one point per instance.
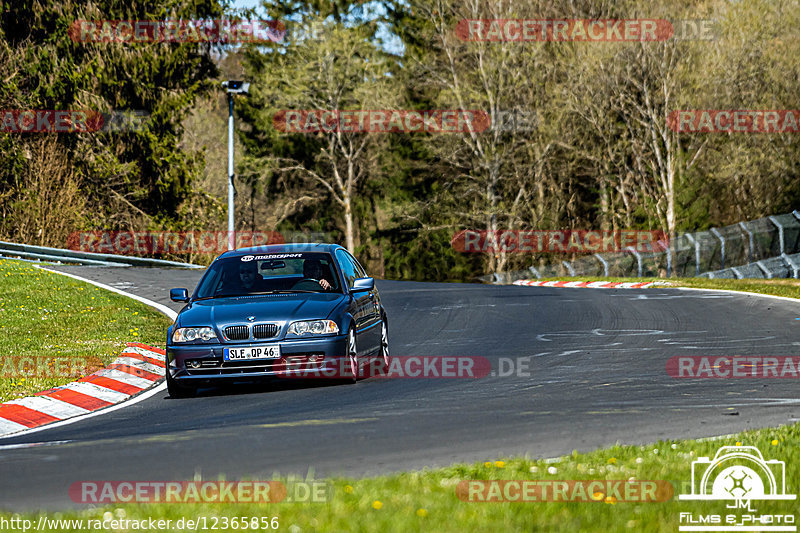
(140, 397)
(161, 307)
(7, 426)
(124, 377)
(138, 363)
(49, 406)
(142, 351)
(96, 391)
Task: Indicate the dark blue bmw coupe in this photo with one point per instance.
(257, 312)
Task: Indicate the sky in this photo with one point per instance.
(246, 4)
(390, 42)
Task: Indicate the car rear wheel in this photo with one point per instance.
(179, 391)
(352, 354)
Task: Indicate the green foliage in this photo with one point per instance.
(128, 178)
(600, 156)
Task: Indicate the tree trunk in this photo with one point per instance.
(348, 225)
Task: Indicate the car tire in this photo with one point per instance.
(179, 391)
(352, 355)
(385, 358)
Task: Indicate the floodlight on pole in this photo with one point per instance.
(232, 87)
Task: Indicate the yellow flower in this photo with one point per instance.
(487, 464)
(422, 513)
(597, 496)
(612, 461)
(738, 443)
(499, 464)
(610, 499)
(376, 504)
(348, 489)
(774, 442)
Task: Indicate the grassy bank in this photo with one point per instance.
(58, 326)
(427, 500)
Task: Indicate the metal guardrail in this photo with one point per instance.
(45, 253)
(764, 248)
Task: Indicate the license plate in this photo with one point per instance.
(254, 352)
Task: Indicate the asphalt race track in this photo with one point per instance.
(596, 360)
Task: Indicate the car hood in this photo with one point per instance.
(264, 308)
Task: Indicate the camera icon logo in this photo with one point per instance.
(738, 473)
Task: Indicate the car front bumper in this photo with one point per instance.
(203, 363)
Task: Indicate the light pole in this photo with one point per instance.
(232, 87)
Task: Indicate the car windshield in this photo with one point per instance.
(269, 273)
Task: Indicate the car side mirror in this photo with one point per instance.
(363, 285)
(179, 295)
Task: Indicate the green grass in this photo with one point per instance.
(67, 323)
(426, 500)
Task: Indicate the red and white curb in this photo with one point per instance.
(137, 368)
(592, 284)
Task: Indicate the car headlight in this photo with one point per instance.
(193, 334)
(312, 327)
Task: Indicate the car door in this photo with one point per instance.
(373, 322)
(361, 306)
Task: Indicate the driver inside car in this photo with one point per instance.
(242, 280)
(248, 274)
(313, 269)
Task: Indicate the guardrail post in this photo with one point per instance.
(750, 247)
(569, 268)
(696, 253)
(638, 257)
(604, 263)
(780, 231)
(764, 269)
(535, 272)
(794, 266)
(719, 236)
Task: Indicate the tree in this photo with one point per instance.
(328, 67)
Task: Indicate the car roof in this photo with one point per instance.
(283, 248)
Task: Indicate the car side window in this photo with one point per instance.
(348, 267)
(359, 269)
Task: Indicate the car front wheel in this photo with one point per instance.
(352, 354)
(385, 344)
(178, 391)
